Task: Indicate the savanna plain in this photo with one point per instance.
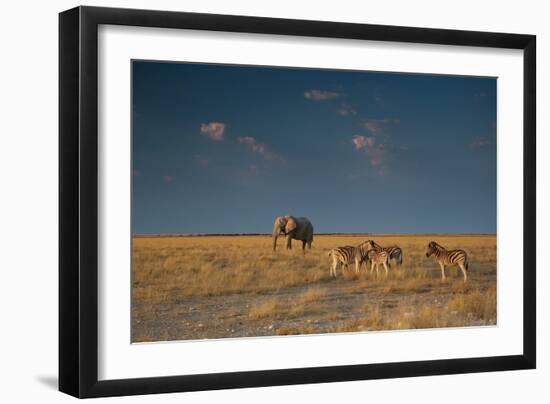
(196, 287)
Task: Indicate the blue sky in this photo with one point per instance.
(226, 149)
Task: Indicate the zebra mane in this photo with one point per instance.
(374, 244)
(437, 246)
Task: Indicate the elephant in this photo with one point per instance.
(298, 228)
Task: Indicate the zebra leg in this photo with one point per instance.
(463, 271)
(442, 270)
(386, 268)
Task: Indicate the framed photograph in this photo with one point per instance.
(251, 201)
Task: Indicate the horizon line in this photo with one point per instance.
(318, 234)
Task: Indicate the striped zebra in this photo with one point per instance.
(346, 255)
(378, 257)
(448, 257)
(395, 252)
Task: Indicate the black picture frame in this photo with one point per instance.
(78, 201)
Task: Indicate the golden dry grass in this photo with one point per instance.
(227, 286)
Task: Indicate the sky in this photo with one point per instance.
(227, 148)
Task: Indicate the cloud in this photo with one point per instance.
(252, 169)
(347, 110)
(203, 161)
(260, 148)
(479, 142)
(214, 130)
(362, 142)
(375, 152)
(377, 155)
(320, 95)
(168, 179)
(377, 126)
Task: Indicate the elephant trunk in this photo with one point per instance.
(275, 235)
(276, 232)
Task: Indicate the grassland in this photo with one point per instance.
(235, 286)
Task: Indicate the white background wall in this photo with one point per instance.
(28, 207)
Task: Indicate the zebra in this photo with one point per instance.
(346, 255)
(395, 253)
(448, 257)
(378, 257)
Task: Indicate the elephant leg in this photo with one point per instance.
(309, 245)
(289, 243)
(303, 246)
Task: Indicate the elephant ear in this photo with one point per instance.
(290, 225)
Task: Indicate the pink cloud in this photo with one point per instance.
(320, 95)
(375, 152)
(479, 142)
(256, 147)
(214, 130)
(377, 126)
(168, 179)
(203, 161)
(362, 142)
(347, 110)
